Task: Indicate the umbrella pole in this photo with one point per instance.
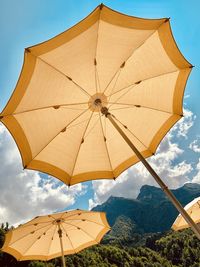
(172, 198)
(61, 244)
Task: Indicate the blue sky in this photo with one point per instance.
(24, 23)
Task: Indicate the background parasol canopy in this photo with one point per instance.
(193, 209)
(131, 65)
(39, 238)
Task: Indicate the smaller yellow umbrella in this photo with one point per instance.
(58, 234)
(193, 209)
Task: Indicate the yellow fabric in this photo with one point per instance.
(193, 209)
(133, 65)
(38, 238)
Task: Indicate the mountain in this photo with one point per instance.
(150, 212)
(172, 249)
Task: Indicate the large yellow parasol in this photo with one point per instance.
(98, 98)
(58, 234)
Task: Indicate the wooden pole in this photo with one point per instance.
(61, 244)
(172, 198)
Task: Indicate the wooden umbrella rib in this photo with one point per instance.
(105, 126)
(97, 39)
(112, 78)
(36, 241)
(113, 109)
(27, 249)
(124, 88)
(57, 135)
(136, 83)
(94, 125)
(66, 76)
(51, 239)
(81, 143)
(74, 125)
(134, 135)
(98, 78)
(140, 106)
(69, 239)
(79, 212)
(118, 74)
(29, 234)
(71, 226)
(51, 216)
(46, 107)
(75, 214)
(83, 231)
(112, 103)
(95, 59)
(88, 221)
(72, 108)
(97, 82)
(27, 225)
(124, 61)
(106, 145)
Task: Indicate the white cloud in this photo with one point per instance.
(186, 96)
(196, 178)
(195, 145)
(184, 125)
(25, 194)
(130, 182)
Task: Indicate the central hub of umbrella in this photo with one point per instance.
(97, 101)
(58, 221)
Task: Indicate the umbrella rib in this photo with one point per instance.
(80, 212)
(139, 106)
(105, 125)
(51, 216)
(33, 243)
(115, 102)
(74, 125)
(114, 84)
(95, 59)
(82, 139)
(66, 234)
(112, 78)
(106, 145)
(75, 214)
(29, 234)
(27, 225)
(57, 135)
(66, 76)
(51, 239)
(88, 221)
(82, 230)
(94, 125)
(133, 135)
(46, 107)
(97, 81)
(138, 82)
(132, 52)
(73, 108)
